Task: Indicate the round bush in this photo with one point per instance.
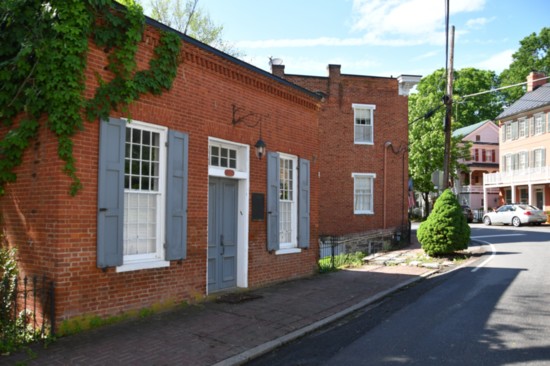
(446, 230)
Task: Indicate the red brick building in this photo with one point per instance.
(175, 204)
(363, 161)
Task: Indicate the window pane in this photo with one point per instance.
(136, 136)
(140, 229)
(363, 194)
(287, 204)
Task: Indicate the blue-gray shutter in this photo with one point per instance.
(273, 201)
(543, 159)
(176, 196)
(303, 203)
(110, 216)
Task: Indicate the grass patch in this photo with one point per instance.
(340, 261)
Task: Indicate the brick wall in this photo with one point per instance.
(340, 157)
(56, 233)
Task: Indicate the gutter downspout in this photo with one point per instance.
(386, 145)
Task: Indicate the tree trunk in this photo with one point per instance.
(425, 197)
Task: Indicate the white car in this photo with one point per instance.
(515, 214)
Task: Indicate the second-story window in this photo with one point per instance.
(539, 158)
(363, 123)
(514, 130)
(539, 124)
(508, 132)
(522, 125)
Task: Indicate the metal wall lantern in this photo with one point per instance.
(239, 117)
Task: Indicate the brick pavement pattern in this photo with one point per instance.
(227, 333)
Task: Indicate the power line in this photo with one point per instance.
(504, 87)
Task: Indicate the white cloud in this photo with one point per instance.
(426, 55)
(478, 22)
(407, 19)
(497, 62)
(386, 23)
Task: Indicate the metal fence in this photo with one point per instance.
(27, 304)
(330, 247)
(478, 215)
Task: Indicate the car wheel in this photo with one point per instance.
(516, 222)
(487, 220)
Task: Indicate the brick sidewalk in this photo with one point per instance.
(227, 333)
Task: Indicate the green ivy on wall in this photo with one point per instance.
(42, 64)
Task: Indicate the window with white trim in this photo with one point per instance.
(523, 128)
(144, 192)
(508, 162)
(523, 160)
(222, 156)
(363, 193)
(539, 124)
(363, 115)
(508, 132)
(287, 201)
(514, 130)
(539, 158)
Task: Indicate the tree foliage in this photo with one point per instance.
(193, 21)
(427, 114)
(532, 55)
(42, 63)
(446, 229)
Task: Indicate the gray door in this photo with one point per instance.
(222, 234)
(540, 199)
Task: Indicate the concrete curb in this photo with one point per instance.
(271, 345)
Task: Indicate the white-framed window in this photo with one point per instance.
(523, 160)
(514, 130)
(523, 128)
(508, 132)
(288, 205)
(539, 158)
(363, 116)
(363, 193)
(144, 193)
(539, 124)
(508, 162)
(222, 156)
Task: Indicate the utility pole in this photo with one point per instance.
(448, 100)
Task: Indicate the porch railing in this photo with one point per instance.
(517, 177)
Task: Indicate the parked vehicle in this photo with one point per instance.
(468, 214)
(516, 214)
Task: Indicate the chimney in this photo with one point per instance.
(277, 66)
(334, 81)
(533, 81)
(278, 70)
(333, 71)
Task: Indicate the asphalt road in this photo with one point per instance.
(494, 312)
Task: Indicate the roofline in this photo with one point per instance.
(352, 75)
(518, 114)
(482, 123)
(152, 22)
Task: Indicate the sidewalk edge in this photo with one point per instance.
(271, 345)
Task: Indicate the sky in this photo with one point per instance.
(376, 37)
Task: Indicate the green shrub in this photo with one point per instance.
(341, 261)
(446, 230)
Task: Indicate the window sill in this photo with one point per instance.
(288, 251)
(142, 265)
(363, 143)
(364, 213)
